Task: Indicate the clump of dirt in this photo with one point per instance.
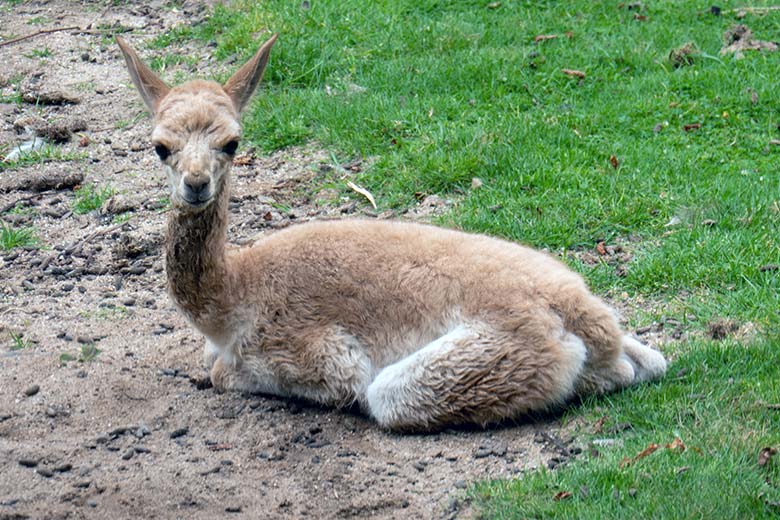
(722, 328)
(739, 38)
(683, 55)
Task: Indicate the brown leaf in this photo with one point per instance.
(561, 495)
(691, 127)
(765, 455)
(544, 37)
(84, 141)
(599, 426)
(614, 161)
(574, 73)
(601, 249)
(676, 444)
(494, 5)
(641, 455)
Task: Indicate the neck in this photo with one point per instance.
(195, 257)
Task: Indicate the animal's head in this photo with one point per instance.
(196, 125)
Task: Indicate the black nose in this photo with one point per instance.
(196, 189)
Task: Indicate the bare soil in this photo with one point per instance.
(132, 429)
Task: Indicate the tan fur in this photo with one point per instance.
(422, 326)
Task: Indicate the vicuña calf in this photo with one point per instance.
(421, 326)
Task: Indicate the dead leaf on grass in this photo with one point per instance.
(691, 127)
(574, 73)
(765, 456)
(601, 249)
(599, 425)
(494, 5)
(561, 495)
(614, 161)
(676, 445)
(774, 142)
(362, 191)
(545, 37)
(641, 455)
(682, 469)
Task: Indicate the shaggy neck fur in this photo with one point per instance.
(195, 257)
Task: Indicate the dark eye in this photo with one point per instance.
(162, 151)
(230, 148)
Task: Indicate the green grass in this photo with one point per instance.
(90, 197)
(40, 53)
(87, 354)
(19, 343)
(11, 237)
(437, 93)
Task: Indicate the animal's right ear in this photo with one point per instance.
(149, 85)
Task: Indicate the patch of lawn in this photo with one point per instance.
(11, 237)
(91, 197)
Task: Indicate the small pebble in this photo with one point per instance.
(63, 468)
(128, 454)
(233, 509)
(460, 484)
(44, 472)
(179, 432)
(28, 463)
(32, 390)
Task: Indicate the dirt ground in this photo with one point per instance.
(130, 430)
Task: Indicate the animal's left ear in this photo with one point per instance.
(243, 83)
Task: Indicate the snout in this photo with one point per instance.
(196, 190)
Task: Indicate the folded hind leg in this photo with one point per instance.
(476, 374)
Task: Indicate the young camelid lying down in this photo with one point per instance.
(421, 326)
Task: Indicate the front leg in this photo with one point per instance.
(252, 376)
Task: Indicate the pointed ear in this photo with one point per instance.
(243, 83)
(149, 85)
